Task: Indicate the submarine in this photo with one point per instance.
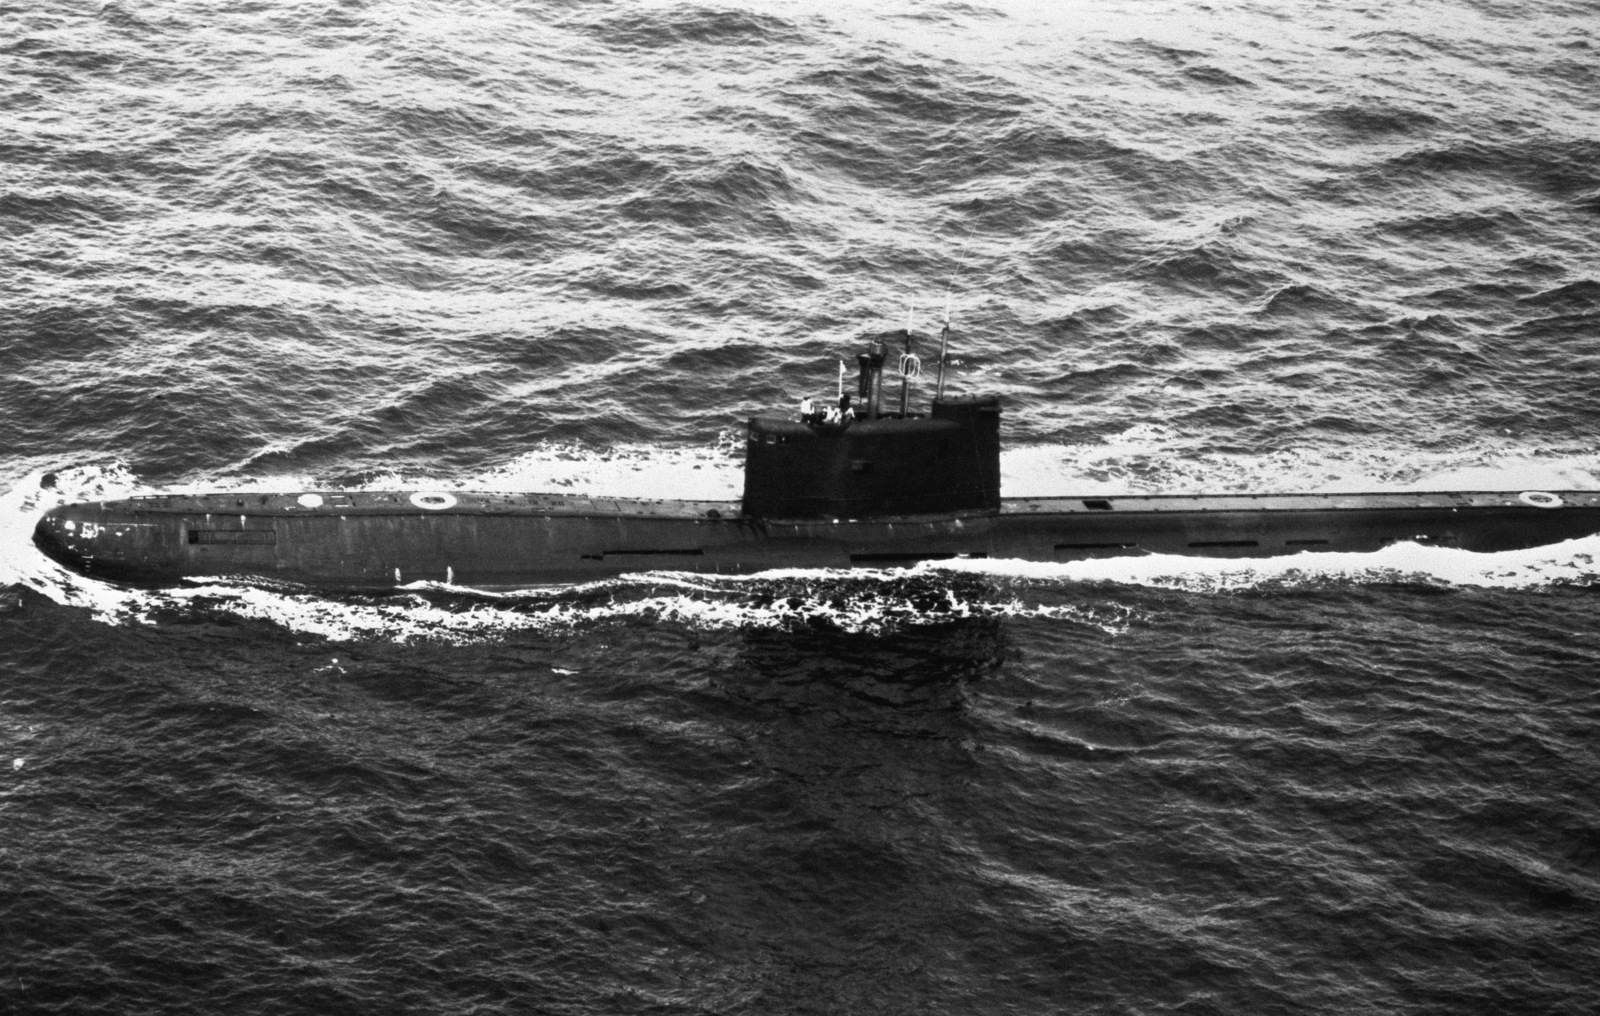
(859, 484)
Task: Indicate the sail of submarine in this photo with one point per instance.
(853, 486)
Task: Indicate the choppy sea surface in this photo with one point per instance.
(572, 246)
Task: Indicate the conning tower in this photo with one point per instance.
(847, 463)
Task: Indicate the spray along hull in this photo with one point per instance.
(499, 541)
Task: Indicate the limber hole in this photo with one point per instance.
(1098, 504)
(696, 552)
(1305, 543)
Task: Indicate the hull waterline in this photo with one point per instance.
(379, 540)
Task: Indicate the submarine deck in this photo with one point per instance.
(384, 539)
(544, 504)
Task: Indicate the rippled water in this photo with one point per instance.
(567, 246)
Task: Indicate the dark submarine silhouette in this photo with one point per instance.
(834, 489)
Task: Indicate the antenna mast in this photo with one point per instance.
(944, 334)
(908, 363)
(944, 345)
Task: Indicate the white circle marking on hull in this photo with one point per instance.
(433, 500)
(1540, 499)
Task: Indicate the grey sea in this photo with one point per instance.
(572, 246)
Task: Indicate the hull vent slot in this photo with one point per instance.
(653, 553)
(233, 536)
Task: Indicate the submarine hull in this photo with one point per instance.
(379, 540)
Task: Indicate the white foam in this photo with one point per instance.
(713, 473)
(1573, 562)
(708, 473)
(1149, 459)
(21, 562)
(419, 618)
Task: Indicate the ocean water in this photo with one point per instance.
(571, 246)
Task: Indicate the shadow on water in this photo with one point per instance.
(828, 867)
